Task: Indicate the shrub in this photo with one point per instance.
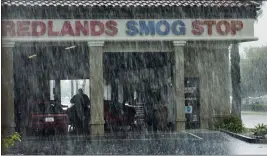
(10, 140)
(257, 107)
(260, 130)
(231, 123)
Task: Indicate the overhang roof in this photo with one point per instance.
(124, 3)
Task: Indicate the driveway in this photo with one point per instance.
(196, 142)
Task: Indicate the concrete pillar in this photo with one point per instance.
(236, 80)
(7, 89)
(219, 107)
(205, 75)
(221, 83)
(178, 73)
(96, 87)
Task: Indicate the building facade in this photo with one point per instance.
(179, 48)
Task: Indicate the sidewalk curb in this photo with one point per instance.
(245, 138)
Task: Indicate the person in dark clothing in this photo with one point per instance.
(126, 112)
(81, 104)
(151, 111)
(129, 113)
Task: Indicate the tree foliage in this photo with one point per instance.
(254, 72)
(259, 12)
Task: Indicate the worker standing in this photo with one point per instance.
(82, 107)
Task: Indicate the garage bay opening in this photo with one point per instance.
(141, 97)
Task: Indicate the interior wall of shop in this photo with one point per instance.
(158, 77)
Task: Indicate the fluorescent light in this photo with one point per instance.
(32, 56)
(70, 47)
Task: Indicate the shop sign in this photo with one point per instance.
(190, 89)
(194, 118)
(123, 29)
(188, 109)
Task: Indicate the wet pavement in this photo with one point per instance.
(250, 119)
(197, 142)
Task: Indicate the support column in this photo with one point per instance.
(220, 83)
(96, 87)
(178, 73)
(204, 73)
(236, 80)
(7, 86)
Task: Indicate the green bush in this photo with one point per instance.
(10, 140)
(231, 123)
(257, 107)
(260, 130)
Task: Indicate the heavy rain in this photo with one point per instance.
(133, 77)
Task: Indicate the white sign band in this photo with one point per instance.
(127, 29)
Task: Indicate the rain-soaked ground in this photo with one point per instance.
(197, 142)
(251, 119)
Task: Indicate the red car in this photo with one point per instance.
(46, 116)
(115, 119)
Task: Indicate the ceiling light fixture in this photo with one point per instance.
(32, 56)
(71, 47)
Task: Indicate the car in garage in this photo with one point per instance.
(46, 116)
